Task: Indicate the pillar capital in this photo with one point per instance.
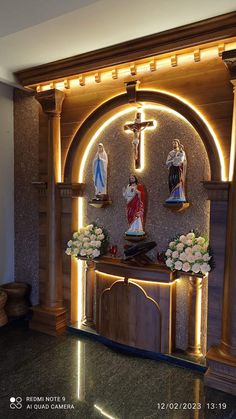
(51, 101)
(234, 85)
(229, 58)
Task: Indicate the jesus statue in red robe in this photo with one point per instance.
(135, 197)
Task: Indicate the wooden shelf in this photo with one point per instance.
(178, 207)
(71, 190)
(96, 203)
(153, 272)
(135, 239)
(67, 190)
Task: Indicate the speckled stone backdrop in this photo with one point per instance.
(26, 129)
(161, 224)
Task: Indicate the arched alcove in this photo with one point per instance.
(161, 224)
(174, 120)
(109, 108)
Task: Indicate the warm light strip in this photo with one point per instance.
(79, 369)
(80, 306)
(103, 412)
(94, 138)
(198, 318)
(233, 142)
(232, 154)
(110, 276)
(80, 302)
(134, 279)
(153, 282)
(217, 143)
(81, 173)
(183, 58)
(80, 204)
(60, 85)
(102, 128)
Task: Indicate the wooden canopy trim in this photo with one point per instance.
(217, 191)
(157, 98)
(207, 30)
(229, 58)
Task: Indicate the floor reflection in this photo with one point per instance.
(122, 386)
(96, 382)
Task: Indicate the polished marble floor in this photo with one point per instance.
(67, 377)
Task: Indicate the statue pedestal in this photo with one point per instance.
(135, 239)
(177, 207)
(97, 203)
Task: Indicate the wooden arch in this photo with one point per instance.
(159, 98)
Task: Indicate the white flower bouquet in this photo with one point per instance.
(89, 242)
(189, 253)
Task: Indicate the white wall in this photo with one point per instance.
(99, 24)
(6, 185)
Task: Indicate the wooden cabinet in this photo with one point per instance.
(135, 305)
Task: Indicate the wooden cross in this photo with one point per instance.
(137, 127)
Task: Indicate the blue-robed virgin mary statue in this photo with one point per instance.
(100, 171)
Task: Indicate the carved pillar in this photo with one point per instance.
(228, 342)
(221, 373)
(194, 326)
(89, 294)
(50, 316)
(217, 193)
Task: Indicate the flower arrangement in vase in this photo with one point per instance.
(88, 242)
(189, 253)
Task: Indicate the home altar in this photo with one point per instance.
(184, 82)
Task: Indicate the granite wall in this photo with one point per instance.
(6, 185)
(161, 224)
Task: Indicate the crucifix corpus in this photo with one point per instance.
(137, 127)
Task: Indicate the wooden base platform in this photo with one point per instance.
(221, 373)
(51, 322)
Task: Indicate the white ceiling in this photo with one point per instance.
(34, 32)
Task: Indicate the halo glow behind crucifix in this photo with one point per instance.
(137, 127)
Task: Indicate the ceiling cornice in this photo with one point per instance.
(208, 30)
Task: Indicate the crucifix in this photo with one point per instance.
(137, 127)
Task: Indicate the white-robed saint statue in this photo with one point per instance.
(177, 165)
(100, 163)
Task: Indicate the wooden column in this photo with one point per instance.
(221, 373)
(89, 294)
(217, 193)
(50, 316)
